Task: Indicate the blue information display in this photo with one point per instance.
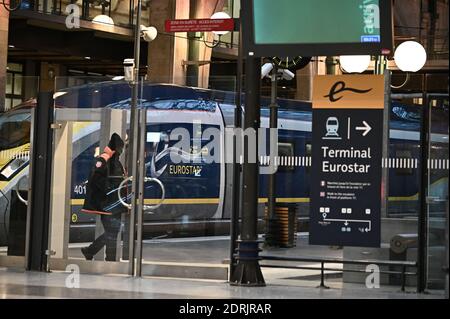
(346, 188)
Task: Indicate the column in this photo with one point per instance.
(305, 77)
(204, 10)
(4, 21)
(166, 52)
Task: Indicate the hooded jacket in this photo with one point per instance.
(106, 176)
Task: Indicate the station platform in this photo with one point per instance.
(18, 285)
(281, 283)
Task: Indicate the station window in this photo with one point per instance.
(13, 85)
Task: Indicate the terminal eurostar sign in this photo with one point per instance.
(348, 132)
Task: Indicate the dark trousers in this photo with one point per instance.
(111, 224)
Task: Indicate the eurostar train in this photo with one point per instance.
(195, 188)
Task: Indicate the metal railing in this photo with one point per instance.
(403, 265)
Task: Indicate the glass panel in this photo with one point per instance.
(8, 103)
(16, 67)
(438, 191)
(191, 227)
(15, 145)
(398, 221)
(17, 85)
(89, 154)
(16, 102)
(9, 83)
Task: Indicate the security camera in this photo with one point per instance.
(287, 75)
(149, 33)
(265, 69)
(128, 67)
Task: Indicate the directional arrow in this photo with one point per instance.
(366, 128)
(346, 223)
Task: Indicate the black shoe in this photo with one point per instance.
(86, 253)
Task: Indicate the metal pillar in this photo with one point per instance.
(236, 189)
(446, 252)
(141, 176)
(423, 212)
(273, 125)
(194, 46)
(248, 271)
(380, 68)
(39, 193)
(134, 136)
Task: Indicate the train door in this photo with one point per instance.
(16, 147)
(437, 199)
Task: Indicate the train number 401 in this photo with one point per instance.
(80, 189)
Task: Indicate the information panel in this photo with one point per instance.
(317, 27)
(347, 150)
(317, 21)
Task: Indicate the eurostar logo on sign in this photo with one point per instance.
(348, 134)
(348, 92)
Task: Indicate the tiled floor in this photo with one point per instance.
(20, 284)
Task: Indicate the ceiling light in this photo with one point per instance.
(220, 15)
(354, 63)
(410, 56)
(103, 19)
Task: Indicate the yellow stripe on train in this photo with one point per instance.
(191, 201)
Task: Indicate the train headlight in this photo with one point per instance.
(13, 166)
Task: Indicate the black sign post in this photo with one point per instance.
(346, 189)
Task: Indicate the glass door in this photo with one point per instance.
(185, 226)
(87, 219)
(16, 143)
(437, 200)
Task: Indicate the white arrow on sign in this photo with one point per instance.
(366, 128)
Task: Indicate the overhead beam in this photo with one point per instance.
(70, 44)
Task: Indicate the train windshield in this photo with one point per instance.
(15, 129)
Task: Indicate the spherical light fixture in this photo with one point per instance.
(354, 63)
(410, 56)
(103, 19)
(220, 15)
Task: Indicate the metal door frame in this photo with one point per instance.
(63, 121)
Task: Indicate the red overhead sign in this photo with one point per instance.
(197, 25)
